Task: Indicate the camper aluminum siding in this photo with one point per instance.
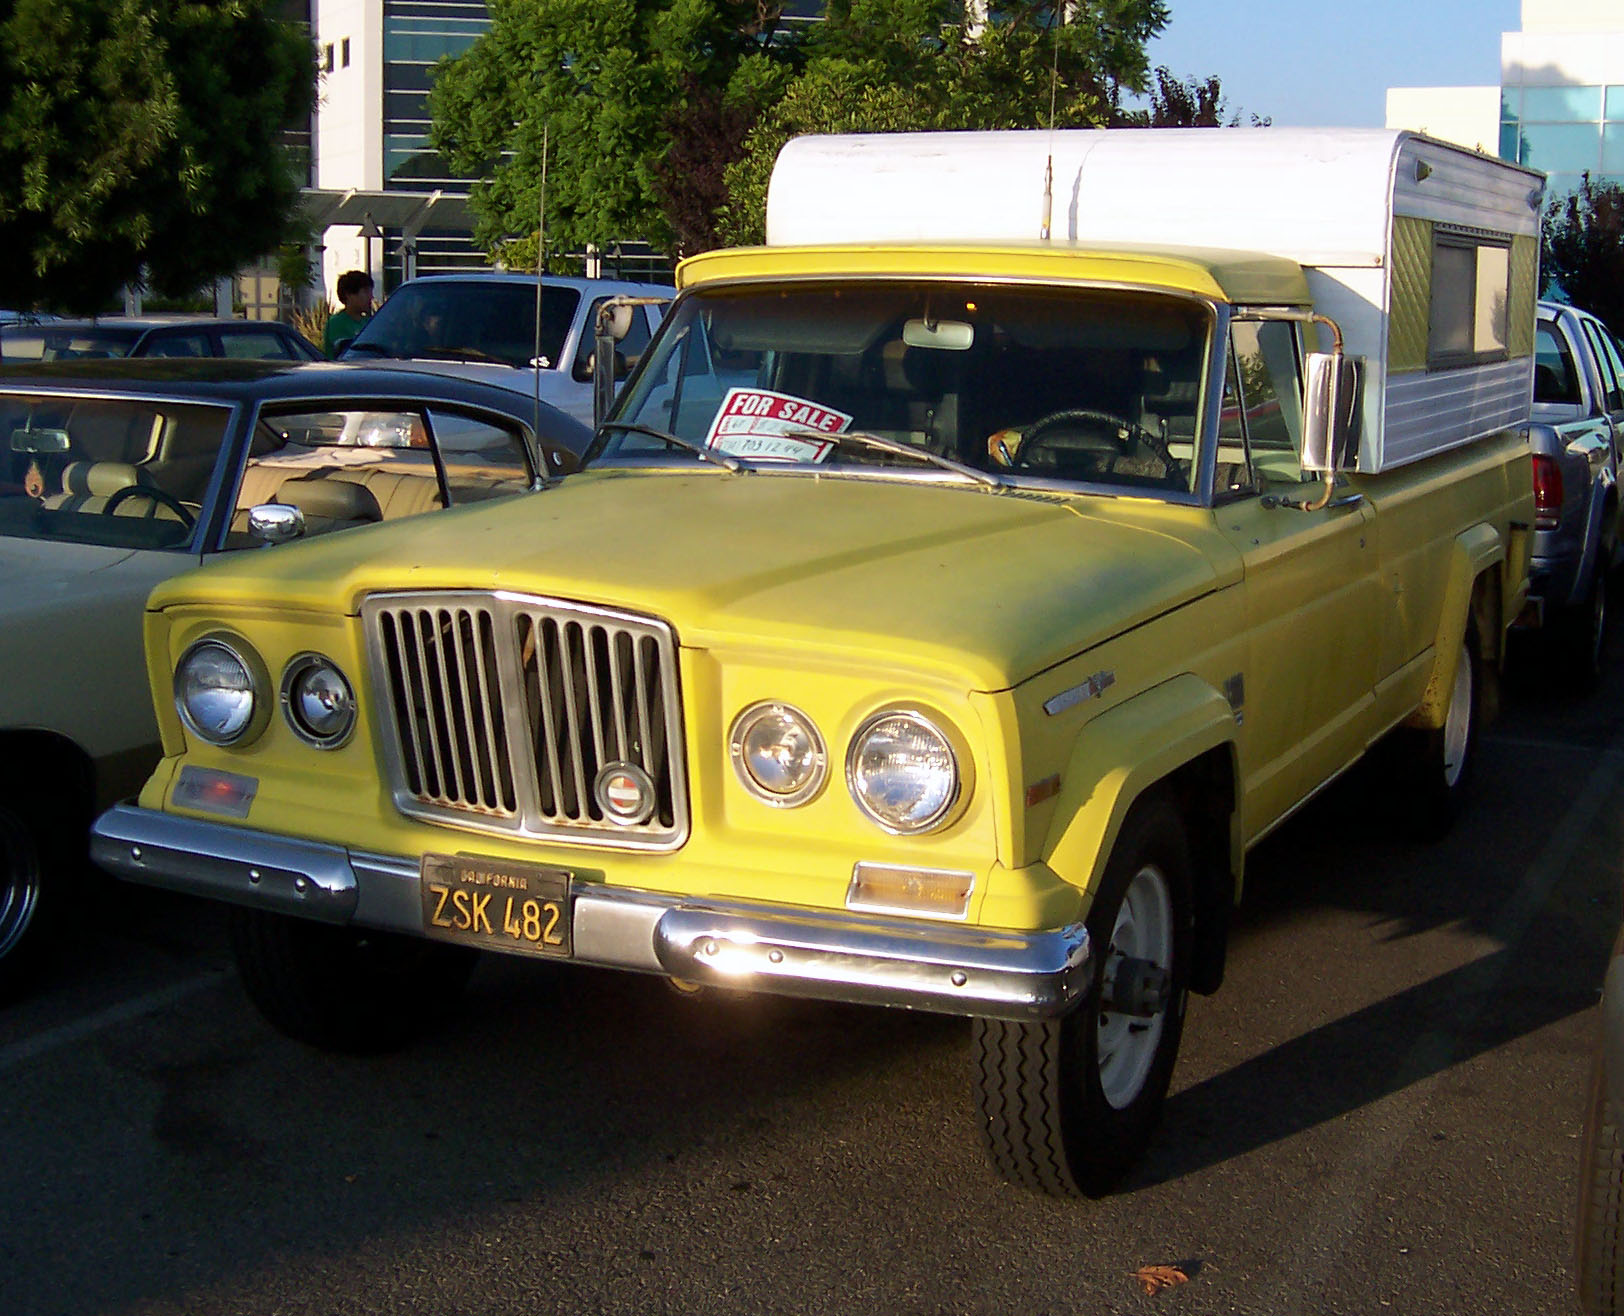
(1364, 211)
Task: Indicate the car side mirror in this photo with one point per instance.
(1330, 409)
(275, 523)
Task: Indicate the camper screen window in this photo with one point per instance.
(1471, 291)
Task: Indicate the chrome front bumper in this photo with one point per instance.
(828, 955)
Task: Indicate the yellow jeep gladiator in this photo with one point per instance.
(958, 587)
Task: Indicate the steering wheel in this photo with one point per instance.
(1108, 431)
(159, 496)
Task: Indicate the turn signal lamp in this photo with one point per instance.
(890, 889)
(1547, 492)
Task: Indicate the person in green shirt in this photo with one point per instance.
(355, 309)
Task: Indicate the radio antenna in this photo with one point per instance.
(1048, 167)
(535, 354)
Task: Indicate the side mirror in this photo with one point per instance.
(1330, 410)
(613, 323)
(275, 523)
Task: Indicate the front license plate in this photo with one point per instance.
(496, 905)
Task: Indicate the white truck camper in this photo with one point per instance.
(1417, 248)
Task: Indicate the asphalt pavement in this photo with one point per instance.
(1379, 1111)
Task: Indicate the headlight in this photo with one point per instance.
(214, 692)
(902, 771)
(317, 701)
(778, 754)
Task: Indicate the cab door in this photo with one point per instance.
(1311, 583)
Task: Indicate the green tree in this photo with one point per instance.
(143, 135)
(1583, 249)
(900, 65)
(596, 80)
(1186, 103)
(664, 116)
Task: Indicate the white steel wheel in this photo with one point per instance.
(1126, 1045)
(1458, 721)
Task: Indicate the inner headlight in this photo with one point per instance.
(902, 771)
(778, 754)
(214, 692)
(317, 701)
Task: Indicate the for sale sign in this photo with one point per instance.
(758, 422)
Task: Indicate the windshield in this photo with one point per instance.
(44, 342)
(113, 471)
(467, 320)
(1093, 386)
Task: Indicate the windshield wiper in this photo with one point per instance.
(900, 449)
(677, 441)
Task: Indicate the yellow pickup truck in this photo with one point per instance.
(959, 586)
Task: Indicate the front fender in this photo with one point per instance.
(1121, 754)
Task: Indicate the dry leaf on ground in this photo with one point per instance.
(1153, 1279)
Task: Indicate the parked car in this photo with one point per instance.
(114, 477)
(157, 335)
(1599, 1255)
(941, 617)
(1576, 436)
(484, 326)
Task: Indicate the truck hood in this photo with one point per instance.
(888, 572)
(556, 386)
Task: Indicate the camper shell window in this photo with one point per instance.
(1469, 318)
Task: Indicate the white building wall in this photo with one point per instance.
(1467, 116)
(348, 142)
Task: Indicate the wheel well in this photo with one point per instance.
(1204, 791)
(44, 766)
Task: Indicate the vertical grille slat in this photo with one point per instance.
(502, 711)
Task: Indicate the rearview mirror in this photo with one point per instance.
(39, 442)
(943, 335)
(1330, 409)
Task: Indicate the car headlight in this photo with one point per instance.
(215, 692)
(902, 771)
(317, 701)
(778, 754)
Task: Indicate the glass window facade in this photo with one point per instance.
(1566, 132)
(417, 34)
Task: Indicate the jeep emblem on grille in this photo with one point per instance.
(625, 793)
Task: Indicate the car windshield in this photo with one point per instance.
(1092, 386)
(122, 472)
(469, 320)
(46, 342)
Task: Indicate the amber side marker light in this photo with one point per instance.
(889, 889)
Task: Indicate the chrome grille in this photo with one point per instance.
(499, 711)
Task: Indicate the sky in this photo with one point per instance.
(1310, 65)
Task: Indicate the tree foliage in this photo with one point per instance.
(143, 135)
(1583, 249)
(1187, 103)
(664, 116)
(593, 80)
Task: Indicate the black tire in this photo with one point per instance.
(1437, 763)
(1060, 1110)
(346, 989)
(23, 901)
(1599, 1257)
(1582, 637)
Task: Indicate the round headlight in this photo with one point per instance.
(317, 701)
(214, 692)
(778, 754)
(902, 772)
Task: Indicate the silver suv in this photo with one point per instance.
(1576, 437)
(484, 326)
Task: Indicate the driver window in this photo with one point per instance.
(1260, 425)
